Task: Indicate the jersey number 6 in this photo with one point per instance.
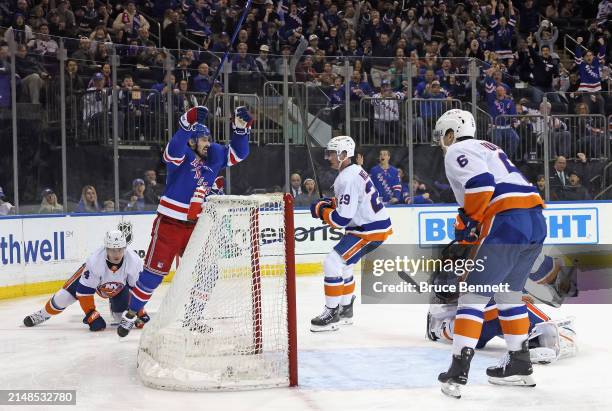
(374, 199)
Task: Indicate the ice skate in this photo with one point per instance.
(329, 320)
(457, 374)
(36, 318)
(127, 323)
(346, 312)
(514, 369)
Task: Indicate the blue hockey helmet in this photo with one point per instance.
(201, 130)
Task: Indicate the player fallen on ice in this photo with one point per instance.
(358, 209)
(193, 163)
(501, 212)
(110, 271)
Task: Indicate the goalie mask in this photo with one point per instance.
(339, 145)
(460, 122)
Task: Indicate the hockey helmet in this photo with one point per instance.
(115, 239)
(201, 131)
(461, 122)
(339, 144)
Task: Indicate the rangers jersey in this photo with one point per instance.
(359, 209)
(590, 78)
(186, 172)
(484, 180)
(387, 182)
(98, 277)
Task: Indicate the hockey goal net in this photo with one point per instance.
(228, 318)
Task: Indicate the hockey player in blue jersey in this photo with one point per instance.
(194, 162)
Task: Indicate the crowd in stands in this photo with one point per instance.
(519, 47)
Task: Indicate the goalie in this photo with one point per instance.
(110, 272)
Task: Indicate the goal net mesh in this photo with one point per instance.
(223, 322)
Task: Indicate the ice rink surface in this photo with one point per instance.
(382, 362)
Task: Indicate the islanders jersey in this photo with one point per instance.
(98, 277)
(484, 180)
(359, 208)
(185, 172)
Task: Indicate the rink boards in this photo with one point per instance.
(38, 253)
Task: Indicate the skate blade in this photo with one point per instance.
(514, 381)
(323, 328)
(346, 321)
(451, 389)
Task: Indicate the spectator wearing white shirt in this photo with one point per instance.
(6, 208)
(387, 106)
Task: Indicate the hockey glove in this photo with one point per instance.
(192, 116)
(142, 319)
(316, 208)
(195, 205)
(95, 321)
(242, 120)
(466, 229)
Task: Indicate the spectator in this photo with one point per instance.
(101, 55)
(109, 206)
(201, 82)
(475, 51)
(74, 83)
(336, 101)
(153, 189)
(327, 77)
(547, 35)
(172, 29)
(89, 201)
(198, 25)
(500, 108)
(184, 100)
(541, 185)
(5, 78)
(83, 53)
(386, 179)
(545, 71)
(575, 191)
(99, 35)
(86, 18)
(421, 195)
(66, 17)
(37, 18)
(382, 54)
(6, 208)
(503, 30)
(33, 74)
(308, 196)
(425, 84)
(559, 178)
(588, 68)
(20, 32)
(296, 185)
(43, 44)
(432, 107)
(128, 22)
(387, 106)
(358, 88)
(529, 17)
(97, 103)
(49, 203)
(590, 133)
(135, 198)
(242, 62)
(305, 72)
(262, 61)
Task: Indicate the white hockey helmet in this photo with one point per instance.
(114, 239)
(461, 122)
(340, 144)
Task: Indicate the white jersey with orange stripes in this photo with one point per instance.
(484, 180)
(109, 282)
(359, 208)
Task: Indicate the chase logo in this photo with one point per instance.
(565, 226)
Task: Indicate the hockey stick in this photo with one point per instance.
(309, 139)
(229, 47)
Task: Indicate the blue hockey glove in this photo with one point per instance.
(316, 208)
(242, 118)
(466, 229)
(95, 321)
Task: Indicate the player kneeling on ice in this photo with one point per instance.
(111, 271)
(502, 213)
(356, 207)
